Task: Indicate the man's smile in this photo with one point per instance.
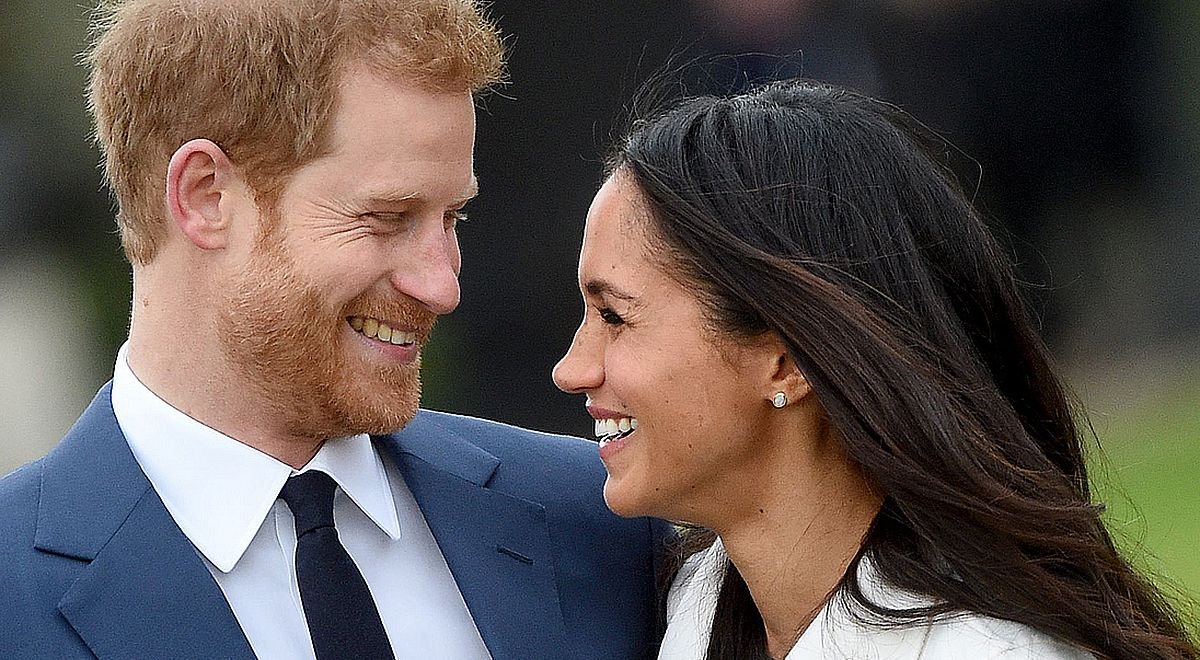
(375, 329)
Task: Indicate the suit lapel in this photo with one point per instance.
(496, 545)
(145, 591)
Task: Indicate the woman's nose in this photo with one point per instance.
(580, 369)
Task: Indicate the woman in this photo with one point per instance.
(801, 340)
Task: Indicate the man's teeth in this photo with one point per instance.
(376, 329)
(606, 428)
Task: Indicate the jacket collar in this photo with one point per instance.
(496, 544)
(145, 591)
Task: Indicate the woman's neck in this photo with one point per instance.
(793, 548)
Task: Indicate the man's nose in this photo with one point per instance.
(580, 369)
(429, 274)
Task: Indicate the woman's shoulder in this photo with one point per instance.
(838, 632)
(953, 637)
(987, 637)
(843, 629)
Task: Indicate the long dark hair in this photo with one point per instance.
(827, 218)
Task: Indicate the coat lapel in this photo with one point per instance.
(145, 592)
(496, 545)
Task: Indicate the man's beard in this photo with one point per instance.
(297, 356)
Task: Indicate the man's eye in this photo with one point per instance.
(386, 217)
(610, 317)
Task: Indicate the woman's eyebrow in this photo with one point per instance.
(602, 287)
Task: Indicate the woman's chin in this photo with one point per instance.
(622, 501)
(630, 500)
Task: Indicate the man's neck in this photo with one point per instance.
(200, 384)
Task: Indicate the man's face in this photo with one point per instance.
(328, 312)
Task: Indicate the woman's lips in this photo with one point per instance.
(610, 447)
(603, 413)
(613, 429)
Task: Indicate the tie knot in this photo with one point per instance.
(310, 497)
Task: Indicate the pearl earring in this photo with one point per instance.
(780, 400)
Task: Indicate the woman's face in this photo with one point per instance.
(693, 399)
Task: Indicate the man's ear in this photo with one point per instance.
(198, 176)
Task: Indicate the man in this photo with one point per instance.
(289, 174)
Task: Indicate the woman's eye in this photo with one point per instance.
(452, 218)
(610, 317)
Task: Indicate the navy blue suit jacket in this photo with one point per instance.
(92, 565)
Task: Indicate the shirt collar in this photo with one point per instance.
(219, 490)
(356, 467)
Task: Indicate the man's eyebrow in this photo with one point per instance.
(601, 287)
(394, 197)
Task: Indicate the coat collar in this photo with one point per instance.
(145, 591)
(497, 545)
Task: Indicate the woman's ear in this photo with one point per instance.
(198, 176)
(784, 378)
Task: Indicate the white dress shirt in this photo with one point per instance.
(835, 633)
(224, 496)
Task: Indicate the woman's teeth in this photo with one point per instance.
(376, 329)
(610, 429)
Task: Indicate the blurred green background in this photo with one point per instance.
(1082, 118)
(1148, 472)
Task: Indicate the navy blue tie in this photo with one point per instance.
(342, 618)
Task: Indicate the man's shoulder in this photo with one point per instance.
(513, 445)
(500, 433)
(22, 511)
(21, 478)
(543, 467)
(605, 566)
(29, 580)
(18, 501)
(562, 473)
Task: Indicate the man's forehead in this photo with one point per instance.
(357, 71)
